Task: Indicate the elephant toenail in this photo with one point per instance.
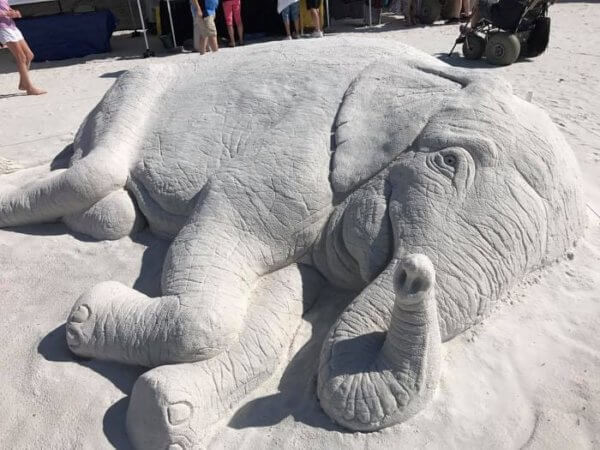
(179, 412)
(175, 447)
(72, 337)
(80, 315)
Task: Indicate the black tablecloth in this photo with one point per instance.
(62, 36)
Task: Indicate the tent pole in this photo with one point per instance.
(171, 22)
(327, 6)
(148, 52)
(370, 15)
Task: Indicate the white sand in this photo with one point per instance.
(528, 376)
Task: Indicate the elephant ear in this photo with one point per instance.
(383, 111)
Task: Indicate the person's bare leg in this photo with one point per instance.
(231, 35)
(213, 44)
(240, 30)
(21, 56)
(28, 52)
(297, 28)
(473, 21)
(466, 8)
(197, 37)
(203, 45)
(315, 18)
(286, 25)
(453, 9)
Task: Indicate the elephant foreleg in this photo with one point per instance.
(174, 404)
(208, 275)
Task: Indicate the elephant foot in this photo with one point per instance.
(169, 409)
(91, 328)
(114, 322)
(174, 406)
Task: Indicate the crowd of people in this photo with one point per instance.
(205, 31)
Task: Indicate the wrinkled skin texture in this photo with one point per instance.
(427, 190)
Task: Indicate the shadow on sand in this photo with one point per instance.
(16, 94)
(457, 60)
(124, 47)
(53, 347)
(297, 396)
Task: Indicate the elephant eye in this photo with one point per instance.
(450, 160)
(446, 161)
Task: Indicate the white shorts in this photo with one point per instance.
(10, 35)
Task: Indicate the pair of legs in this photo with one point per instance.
(371, 16)
(207, 43)
(288, 14)
(23, 57)
(458, 8)
(233, 13)
(409, 8)
(205, 34)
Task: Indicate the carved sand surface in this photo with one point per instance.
(322, 229)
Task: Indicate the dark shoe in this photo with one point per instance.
(452, 21)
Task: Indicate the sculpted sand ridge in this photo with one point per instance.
(427, 189)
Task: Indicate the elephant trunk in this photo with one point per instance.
(381, 361)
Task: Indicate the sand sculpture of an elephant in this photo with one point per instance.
(428, 190)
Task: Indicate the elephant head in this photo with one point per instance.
(470, 188)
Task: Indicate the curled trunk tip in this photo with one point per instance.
(380, 363)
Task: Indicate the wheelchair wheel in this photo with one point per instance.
(473, 47)
(502, 48)
(430, 11)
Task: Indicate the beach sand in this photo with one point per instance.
(528, 376)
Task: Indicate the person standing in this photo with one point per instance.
(205, 31)
(13, 39)
(233, 13)
(313, 7)
(290, 12)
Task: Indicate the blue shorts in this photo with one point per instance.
(291, 12)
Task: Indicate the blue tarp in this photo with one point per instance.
(62, 36)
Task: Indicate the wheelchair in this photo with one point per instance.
(515, 29)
